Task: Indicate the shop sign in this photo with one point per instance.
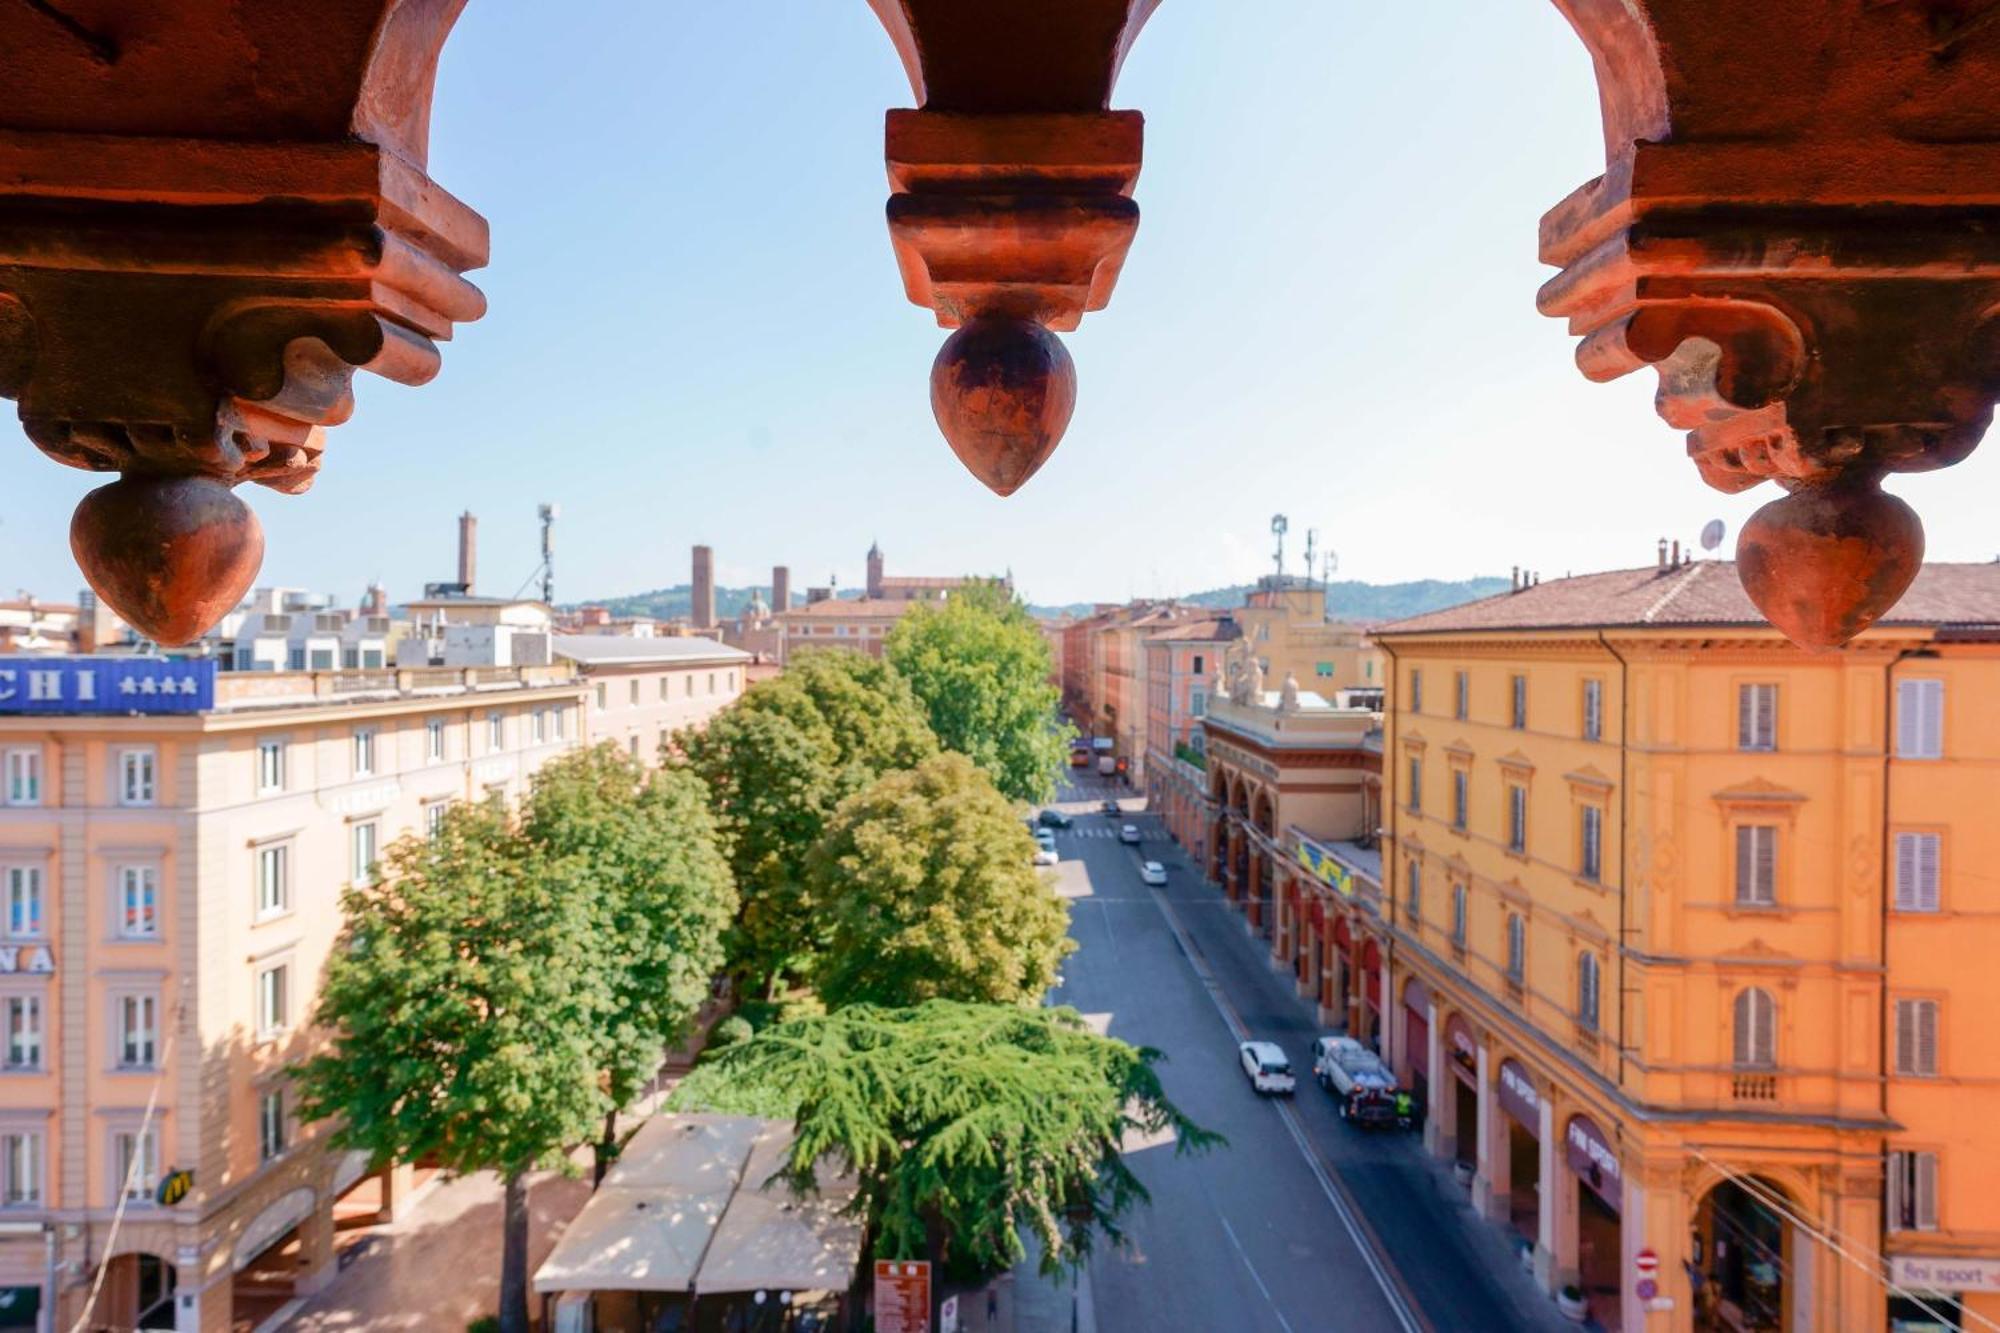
(1518, 1097)
(902, 1296)
(33, 959)
(1591, 1156)
(1322, 867)
(107, 685)
(1944, 1273)
(362, 800)
(1464, 1050)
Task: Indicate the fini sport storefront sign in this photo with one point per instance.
(115, 685)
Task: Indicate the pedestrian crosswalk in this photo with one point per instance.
(1080, 829)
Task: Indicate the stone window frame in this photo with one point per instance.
(10, 757)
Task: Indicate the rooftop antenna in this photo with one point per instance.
(1312, 540)
(1711, 534)
(1279, 526)
(549, 513)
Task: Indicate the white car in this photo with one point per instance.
(1045, 854)
(1153, 873)
(1129, 833)
(1267, 1067)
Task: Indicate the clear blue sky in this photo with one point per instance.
(697, 332)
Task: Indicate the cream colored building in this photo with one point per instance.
(1285, 626)
(641, 691)
(169, 884)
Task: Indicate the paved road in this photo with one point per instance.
(1301, 1223)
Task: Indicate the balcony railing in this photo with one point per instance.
(1754, 1087)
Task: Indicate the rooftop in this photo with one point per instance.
(625, 650)
(1209, 629)
(846, 608)
(1706, 592)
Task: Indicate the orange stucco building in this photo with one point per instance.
(1689, 942)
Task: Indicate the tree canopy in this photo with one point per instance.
(976, 1120)
(643, 851)
(982, 671)
(776, 764)
(928, 883)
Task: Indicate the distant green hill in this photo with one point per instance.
(1349, 599)
(666, 603)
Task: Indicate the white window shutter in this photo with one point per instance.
(1767, 716)
(1933, 717)
(1927, 1211)
(1767, 864)
(1743, 1018)
(1927, 1014)
(1928, 849)
(1905, 1036)
(1743, 717)
(1898, 1165)
(1906, 872)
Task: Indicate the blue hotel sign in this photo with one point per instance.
(106, 685)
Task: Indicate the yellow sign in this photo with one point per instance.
(174, 1187)
(1326, 870)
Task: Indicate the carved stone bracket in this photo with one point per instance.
(1820, 345)
(1798, 226)
(1010, 209)
(190, 314)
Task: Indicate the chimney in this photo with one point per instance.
(781, 588)
(1514, 582)
(376, 601)
(468, 548)
(1677, 553)
(701, 612)
(1663, 553)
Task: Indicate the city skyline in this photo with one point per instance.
(674, 358)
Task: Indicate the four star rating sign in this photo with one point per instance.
(107, 684)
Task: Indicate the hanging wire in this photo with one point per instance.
(132, 1170)
(1777, 1203)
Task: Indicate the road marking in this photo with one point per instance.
(1244, 1255)
(1407, 1317)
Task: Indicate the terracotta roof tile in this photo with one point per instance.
(850, 608)
(1703, 593)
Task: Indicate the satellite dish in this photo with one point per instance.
(1711, 534)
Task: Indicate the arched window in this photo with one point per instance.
(1756, 1028)
(1586, 990)
(1517, 947)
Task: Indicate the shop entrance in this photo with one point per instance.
(1743, 1258)
(1600, 1191)
(138, 1292)
(1521, 1113)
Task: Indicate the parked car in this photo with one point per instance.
(1053, 818)
(1045, 852)
(1267, 1067)
(1358, 1080)
(1153, 873)
(1129, 833)
(1111, 808)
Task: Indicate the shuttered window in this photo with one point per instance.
(1520, 703)
(1913, 1191)
(1917, 871)
(1416, 690)
(1756, 1028)
(1416, 891)
(1586, 989)
(1517, 818)
(1517, 946)
(1416, 783)
(1463, 686)
(1593, 710)
(1459, 912)
(1919, 719)
(1757, 717)
(1461, 782)
(1916, 1037)
(1756, 865)
(1590, 861)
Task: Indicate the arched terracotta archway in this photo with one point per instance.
(1811, 273)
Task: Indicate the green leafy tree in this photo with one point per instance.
(929, 884)
(464, 1005)
(964, 1123)
(643, 851)
(776, 764)
(982, 670)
